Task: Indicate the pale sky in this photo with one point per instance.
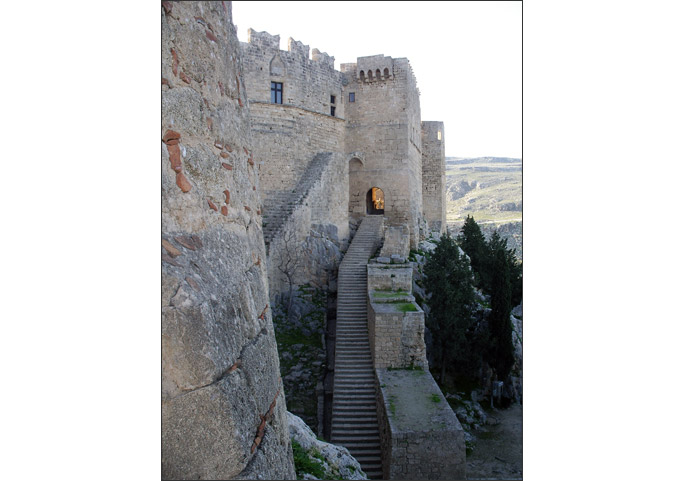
(467, 57)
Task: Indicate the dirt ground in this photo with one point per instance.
(498, 449)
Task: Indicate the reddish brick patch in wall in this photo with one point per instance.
(183, 77)
(227, 166)
(186, 241)
(173, 251)
(175, 62)
(225, 211)
(168, 7)
(218, 145)
(226, 196)
(165, 82)
(211, 36)
(169, 260)
(171, 139)
(183, 182)
(228, 147)
(224, 155)
(170, 135)
(212, 206)
(175, 157)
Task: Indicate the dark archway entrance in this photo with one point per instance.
(375, 201)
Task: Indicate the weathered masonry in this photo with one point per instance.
(385, 160)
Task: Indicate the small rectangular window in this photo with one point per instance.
(333, 99)
(277, 89)
(351, 96)
(439, 135)
(333, 110)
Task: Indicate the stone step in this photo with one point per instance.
(355, 411)
(365, 441)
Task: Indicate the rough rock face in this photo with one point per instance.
(336, 461)
(223, 410)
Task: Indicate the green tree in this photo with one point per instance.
(497, 243)
(452, 302)
(501, 355)
(473, 244)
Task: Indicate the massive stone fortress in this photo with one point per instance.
(367, 114)
(268, 156)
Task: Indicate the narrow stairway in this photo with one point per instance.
(354, 411)
(279, 205)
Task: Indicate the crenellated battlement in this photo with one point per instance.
(299, 48)
(323, 57)
(263, 40)
(374, 68)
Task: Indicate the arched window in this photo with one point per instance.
(386, 73)
(362, 76)
(375, 201)
(369, 75)
(378, 74)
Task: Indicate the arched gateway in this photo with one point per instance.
(375, 201)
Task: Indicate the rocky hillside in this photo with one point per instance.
(490, 190)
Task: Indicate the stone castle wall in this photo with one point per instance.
(434, 175)
(384, 123)
(223, 409)
(319, 224)
(289, 135)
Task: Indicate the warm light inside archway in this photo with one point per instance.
(378, 198)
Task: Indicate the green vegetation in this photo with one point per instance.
(459, 344)
(405, 307)
(435, 398)
(483, 259)
(449, 279)
(501, 355)
(304, 463)
(389, 294)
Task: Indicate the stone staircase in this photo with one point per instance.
(278, 206)
(354, 411)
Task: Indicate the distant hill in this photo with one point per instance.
(490, 190)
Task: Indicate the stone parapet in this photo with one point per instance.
(420, 435)
(390, 277)
(396, 337)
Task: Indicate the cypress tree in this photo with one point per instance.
(502, 356)
(473, 244)
(449, 280)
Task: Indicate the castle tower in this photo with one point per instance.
(383, 140)
(434, 175)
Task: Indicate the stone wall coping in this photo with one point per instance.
(375, 265)
(414, 411)
(389, 308)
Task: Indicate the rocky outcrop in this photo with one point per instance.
(223, 410)
(335, 461)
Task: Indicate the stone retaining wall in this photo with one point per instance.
(421, 438)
